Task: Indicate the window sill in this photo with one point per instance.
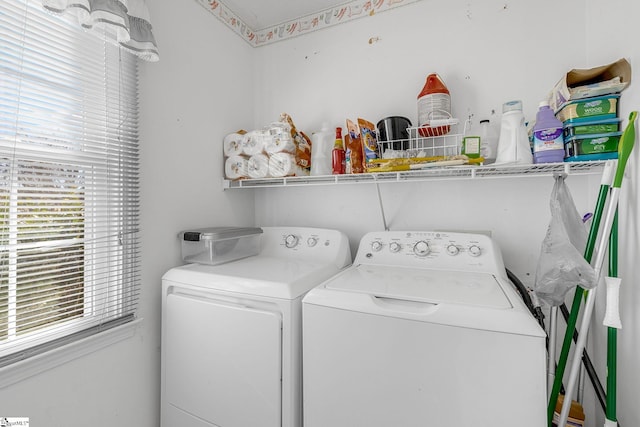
(35, 365)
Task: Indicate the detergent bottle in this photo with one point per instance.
(548, 141)
(513, 144)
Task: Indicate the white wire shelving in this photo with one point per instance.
(429, 174)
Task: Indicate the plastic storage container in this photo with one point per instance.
(597, 108)
(591, 127)
(598, 147)
(217, 245)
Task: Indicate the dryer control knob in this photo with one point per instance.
(376, 246)
(474, 250)
(312, 241)
(291, 241)
(395, 247)
(421, 248)
(453, 249)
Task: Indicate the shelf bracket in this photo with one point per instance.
(384, 219)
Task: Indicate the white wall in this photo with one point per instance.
(487, 52)
(189, 101)
(621, 43)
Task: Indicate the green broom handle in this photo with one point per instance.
(612, 333)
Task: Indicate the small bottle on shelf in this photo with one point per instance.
(338, 155)
(488, 141)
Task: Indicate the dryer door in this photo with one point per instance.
(223, 362)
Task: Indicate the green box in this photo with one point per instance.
(599, 107)
(592, 144)
(591, 128)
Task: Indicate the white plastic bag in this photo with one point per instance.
(561, 265)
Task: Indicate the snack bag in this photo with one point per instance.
(302, 142)
(369, 139)
(355, 149)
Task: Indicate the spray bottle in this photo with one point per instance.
(321, 147)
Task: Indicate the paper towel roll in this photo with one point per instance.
(282, 164)
(253, 142)
(280, 144)
(232, 144)
(258, 166)
(236, 167)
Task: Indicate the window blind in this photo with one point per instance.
(69, 248)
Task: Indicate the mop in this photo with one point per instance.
(624, 150)
(607, 179)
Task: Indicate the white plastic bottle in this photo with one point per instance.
(321, 147)
(513, 144)
(488, 142)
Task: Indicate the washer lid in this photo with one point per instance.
(424, 285)
(258, 276)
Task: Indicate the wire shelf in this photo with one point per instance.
(430, 174)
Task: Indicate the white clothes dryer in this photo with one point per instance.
(232, 335)
(424, 329)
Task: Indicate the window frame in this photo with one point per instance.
(43, 348)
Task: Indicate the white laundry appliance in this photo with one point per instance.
(232, 334)
(423, 329)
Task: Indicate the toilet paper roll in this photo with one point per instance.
(280, 144)
(253, 142)
(282, 164)
(236, 167)
(258, 166)
(232, 144)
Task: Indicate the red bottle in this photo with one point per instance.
(338, 155)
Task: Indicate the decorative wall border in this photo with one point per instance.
(327, 18)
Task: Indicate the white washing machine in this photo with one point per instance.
(232, 334)
(423, 329)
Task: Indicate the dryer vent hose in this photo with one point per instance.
(535, 310)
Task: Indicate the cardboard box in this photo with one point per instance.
(579, 84)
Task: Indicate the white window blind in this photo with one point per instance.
(69, 262)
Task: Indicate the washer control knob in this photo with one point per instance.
(395, 247)
(452, 249)
(421, 248)
(291, 241)
(376, 246)
(474, 250)
(312, 241)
